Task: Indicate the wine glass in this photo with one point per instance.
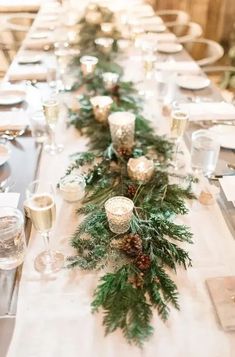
(51, 111)
(179, 120)
(41, 209)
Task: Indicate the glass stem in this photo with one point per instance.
(52, 135)
(177, 147)
(46, 238)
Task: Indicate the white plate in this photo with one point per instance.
(169, 47)
(39, 35)
(10, 96)
(225, 135)
(4, 154)
(192, 82)
(29, 59)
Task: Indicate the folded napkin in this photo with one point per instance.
(28, 72)
(22, 5)
(222, 292)
(10, 199)
(177, 66)
(13, 120)
(38, 44)
(228, 185)
(209, 111)
(154, 20)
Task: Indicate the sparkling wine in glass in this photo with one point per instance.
(51, 112)
(41, 209)
(179, 120)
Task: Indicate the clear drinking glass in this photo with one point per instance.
(204, 152)
(179, 120)
(39, 127)
(12, 238)
(41, 209)
(51, 111)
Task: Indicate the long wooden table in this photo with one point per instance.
(70, 292)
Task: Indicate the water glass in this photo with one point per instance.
(12, 238)
(204, 152)
(39, 127)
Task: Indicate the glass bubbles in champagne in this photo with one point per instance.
(51, 111)
(41, 209)
(179, 120)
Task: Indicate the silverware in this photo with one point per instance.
(11, 134)
(5, 185)
(217, 177)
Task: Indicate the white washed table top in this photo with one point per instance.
(54, 317)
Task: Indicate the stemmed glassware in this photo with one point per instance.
(179, 120)
(50, 105)
(41, 209)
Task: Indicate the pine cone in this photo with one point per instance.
(125, 152)
(132, 244)
(143, 262)
(131, 190)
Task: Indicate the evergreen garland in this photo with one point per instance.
(138, 282)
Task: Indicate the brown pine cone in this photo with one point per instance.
(132, 244)
(143, 262)
(125, 152)
(131, 190)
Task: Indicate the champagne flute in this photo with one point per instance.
(179, 120)
(51, 111)
(41, 209)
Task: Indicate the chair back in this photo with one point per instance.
(173, 17)
(186, 32)
(204, 51)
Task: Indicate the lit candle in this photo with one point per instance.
(122, 127)
(88, 64)
(107, 28)
(140, 169)
(72, 187)
(119, 211)
(104, 44)
(101, 105)
(110, 80)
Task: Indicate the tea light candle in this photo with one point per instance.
(140, 169)
(119, 211)
(149, 61)
(110, 80)
(104, 44)
(93, 17)
(88, 64)
(72, 187)
(107, 28)
(101, 105)
(122, 127)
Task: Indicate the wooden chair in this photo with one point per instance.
(205, 52)
(173, 17)
(186, 32)
(224, 76)
(19, 25)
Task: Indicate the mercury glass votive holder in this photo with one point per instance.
(110, 80)
(93, 17)
(101, 105)
(88, 64)
(104, 44)
(122, 129)
(107, 28)
(119, 211)
(140, 169)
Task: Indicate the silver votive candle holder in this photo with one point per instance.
(140, 169)
(110, 80)
(104, 44)
(122, 129)
(72, 187)
(88, 64)
(119, 211)
(93, 17)
(101, 105)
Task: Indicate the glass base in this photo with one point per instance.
(54, 149)
(177, 165)
(48, 263)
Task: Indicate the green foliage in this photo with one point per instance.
(127, 295)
